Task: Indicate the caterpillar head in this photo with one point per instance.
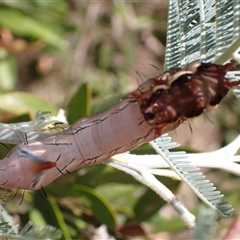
(188, 93)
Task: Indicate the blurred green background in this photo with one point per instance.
(83, 56)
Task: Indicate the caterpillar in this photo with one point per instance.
(158, 105)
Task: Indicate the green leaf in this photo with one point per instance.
(51, 211)
(20, 103)
(8, 75)
(79, 105)
(107, 103)
(116, 176)
(148, 204)
(37, 218)
(91, 175)
(122, 196)
(31, 5)
(166, 224)
(100, 207)
(24, 25)
(19, 118)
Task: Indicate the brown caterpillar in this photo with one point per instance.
(158, 106)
